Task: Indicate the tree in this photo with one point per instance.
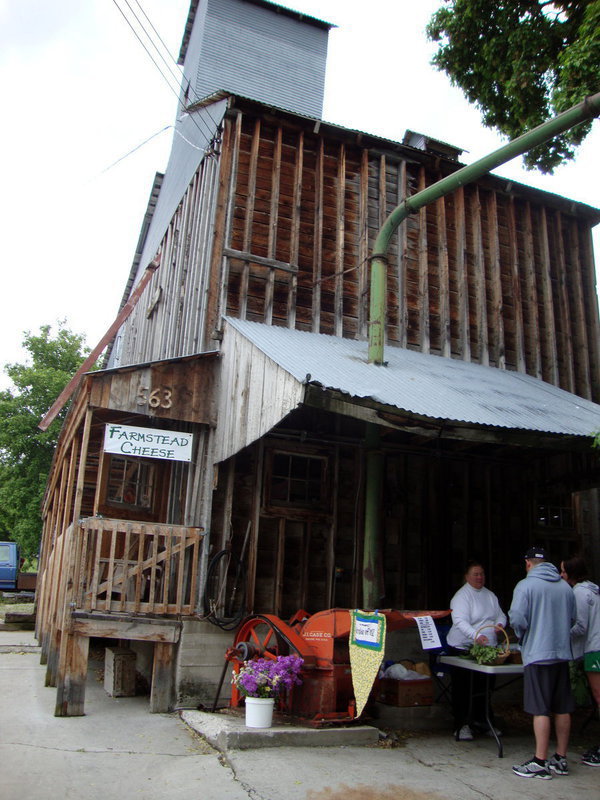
(25, 451)
(522, 62)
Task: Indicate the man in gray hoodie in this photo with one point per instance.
(541, 614)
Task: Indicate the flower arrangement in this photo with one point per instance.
(267, 677)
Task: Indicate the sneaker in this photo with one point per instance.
(558, 764)
(465, 734)
(592, 757)
(531, 769)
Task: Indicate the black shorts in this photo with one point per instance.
(547, 689)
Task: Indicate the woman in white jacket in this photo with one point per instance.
(585, 633)
(473, 607)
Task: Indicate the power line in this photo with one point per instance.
(149, 54)
(177, 66)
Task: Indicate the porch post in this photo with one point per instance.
(371, 582)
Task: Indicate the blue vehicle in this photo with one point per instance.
(9, 566)
(11, 580)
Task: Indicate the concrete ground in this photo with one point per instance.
(121, 750)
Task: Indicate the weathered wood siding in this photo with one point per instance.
(495, 273)
(170, 318)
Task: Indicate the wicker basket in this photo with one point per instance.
(506, 651)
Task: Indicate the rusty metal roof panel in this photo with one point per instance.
(425, 385)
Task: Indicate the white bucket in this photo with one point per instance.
(259, 712)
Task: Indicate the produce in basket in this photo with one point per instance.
(486, 654)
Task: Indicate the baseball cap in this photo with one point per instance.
(536, 552)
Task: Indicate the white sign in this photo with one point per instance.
(428, 632)
(148, 442)
(366, 632)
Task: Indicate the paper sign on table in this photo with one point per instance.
(428, 632)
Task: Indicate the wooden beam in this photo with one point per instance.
(423, 290)
(161, 691)
(580, 332)
(295, 228)
(340, 194)
(533, 318)
(567, 378)
(497, 302)
(481, 324)
(462, 279)
(70, 693)
(89, 362)
(550, 352)
(273, 220)
(444, 280)
(111, 626)
(516, 286)
(318, 237)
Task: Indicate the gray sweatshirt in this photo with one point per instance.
(541, 614)
(585, 633)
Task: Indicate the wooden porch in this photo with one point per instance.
(116, 579)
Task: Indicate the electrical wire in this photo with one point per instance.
(180, 71)
(176, 92)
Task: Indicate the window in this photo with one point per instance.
(298, 481)
(555, 516)
(131, 483)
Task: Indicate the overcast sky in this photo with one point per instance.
(78, 93)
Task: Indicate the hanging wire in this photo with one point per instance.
(178, 68)
(176, 92)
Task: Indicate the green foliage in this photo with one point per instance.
(25, 451)
(485, 653)
(522, 62)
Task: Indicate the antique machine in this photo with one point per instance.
(326, 694)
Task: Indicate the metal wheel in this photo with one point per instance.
(225, 591)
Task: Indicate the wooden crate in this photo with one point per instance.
(119, 672)
(404, 693)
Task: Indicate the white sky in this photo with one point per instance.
(78, 92)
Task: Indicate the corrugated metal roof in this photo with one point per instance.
(427, 385)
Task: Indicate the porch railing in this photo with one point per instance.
(135, 567)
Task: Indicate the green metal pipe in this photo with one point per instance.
(588, 109)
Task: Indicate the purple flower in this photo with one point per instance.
(267, 677)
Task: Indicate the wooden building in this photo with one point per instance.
(250, 337)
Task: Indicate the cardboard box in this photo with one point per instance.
(404, 693)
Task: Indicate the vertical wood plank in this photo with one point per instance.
(549, 350)
(249, 217)
(401, 261)
(279, 564)
(273, 223)
(532, 330)
(481, 323)
(318, 239)
(444, 279)
(516, 286)
(363, 269)
(70, 692)
(593, 322)
(423, 288)
(255, 532)
(339, 242)
(496, 318)
(464, 334)
(216, 300)
(295, 231)
(580, 334)
(161, 691)
(567, 377)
